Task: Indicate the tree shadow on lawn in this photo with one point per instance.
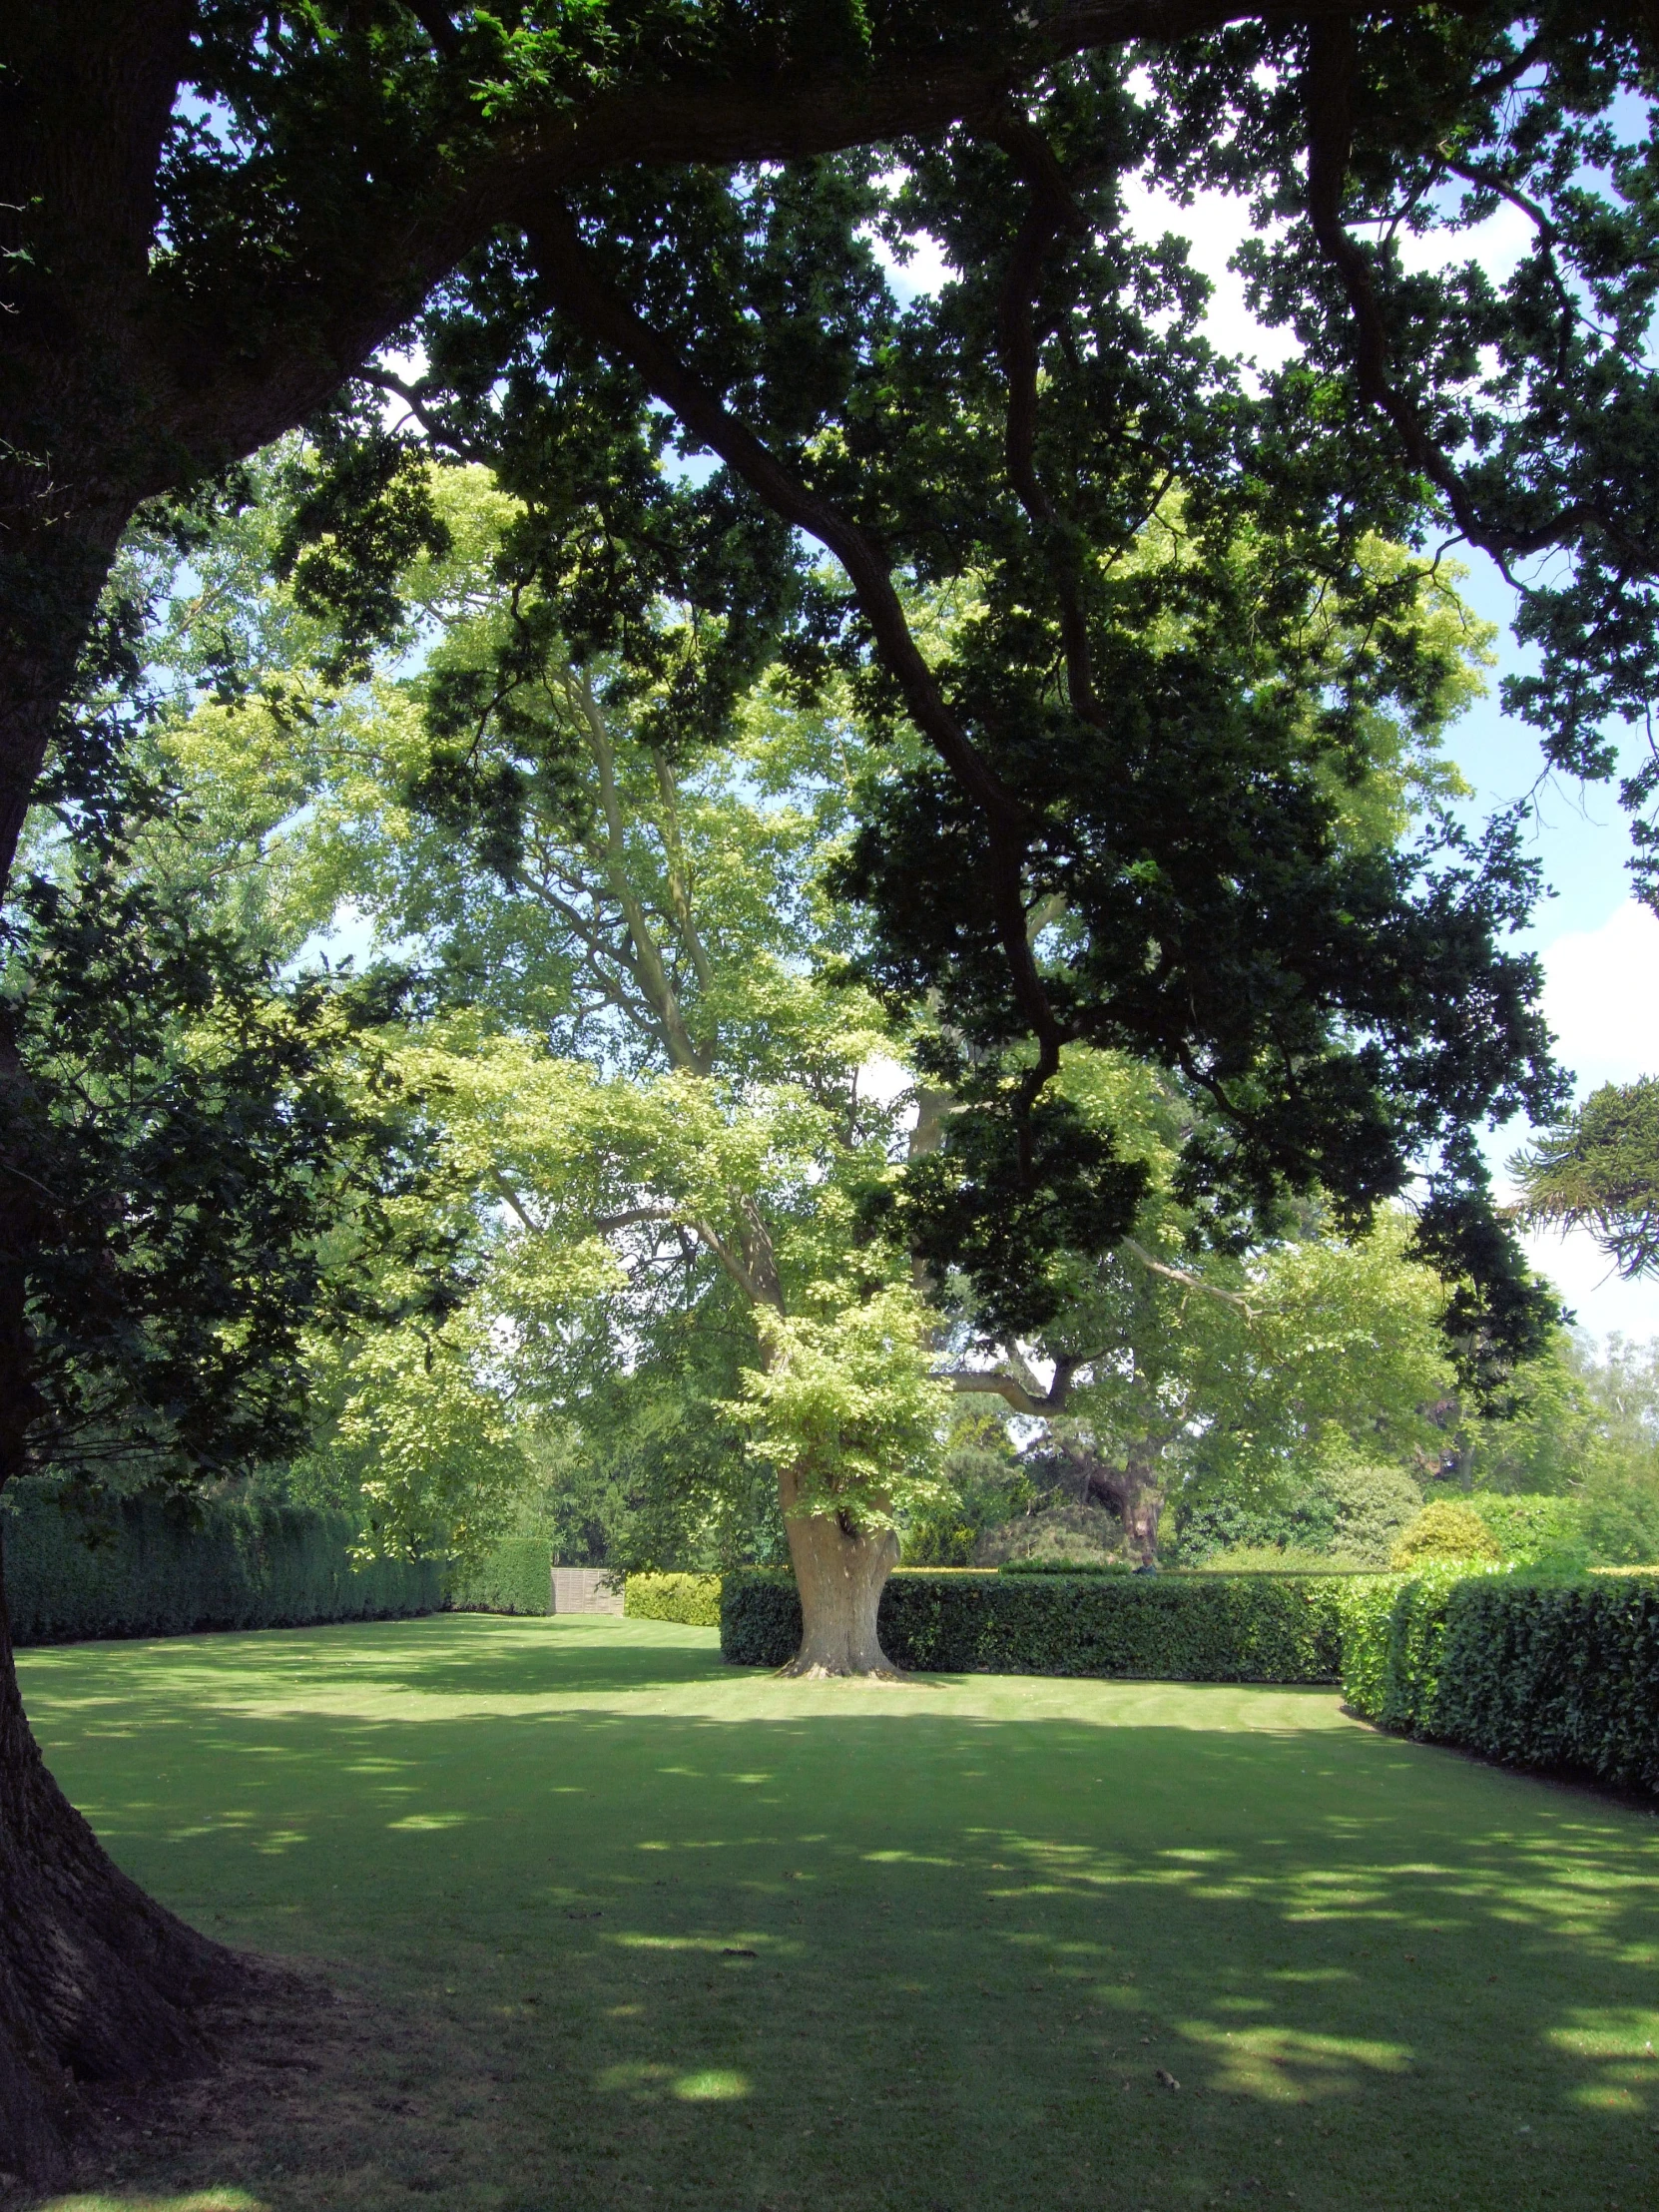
(890, 1950)
(461, 1654)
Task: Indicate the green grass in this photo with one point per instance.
(666, 1935)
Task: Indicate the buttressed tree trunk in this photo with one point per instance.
(841, 1571)
(97, 1982)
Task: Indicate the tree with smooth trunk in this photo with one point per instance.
(649, 1091)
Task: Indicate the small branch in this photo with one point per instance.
(384, 381)
(1186, 1278)
(1328, 88)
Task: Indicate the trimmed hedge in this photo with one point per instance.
(1214, 1629)
(1541, 1674)
(516, 1577)
(166, 1569)
(1065, 1566)
(691, 1599)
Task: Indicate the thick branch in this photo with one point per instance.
(1021, 1395)
(612, 323)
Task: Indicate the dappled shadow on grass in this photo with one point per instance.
(463, 1654)
(910, 1949)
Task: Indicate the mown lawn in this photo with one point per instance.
(632, 1929)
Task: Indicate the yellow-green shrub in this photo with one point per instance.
(1444, 1531)
(691, 1599)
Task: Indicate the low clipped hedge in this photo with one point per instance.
(692, 1600)
(1544, 1674)
(169, 1568)
(516, 1577)
(1210, 1628)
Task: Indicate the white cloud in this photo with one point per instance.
(1601, 998)
(1584, 1276)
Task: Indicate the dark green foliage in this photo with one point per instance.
(1545, 1674)
(156, 1568)
(516, 1577)
(1214, 1628)
(188, 1132)
(1354, 1514)
(989, 1484)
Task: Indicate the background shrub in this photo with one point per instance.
(1342, 1515)
(691, 1599)
(1214, 1628)
(516, 1577)
(1536, 1531)
(1059, 1533)
(169, 1568)
(1445, 1531)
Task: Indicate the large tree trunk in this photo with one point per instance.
(841, 1571)
(97, 1982)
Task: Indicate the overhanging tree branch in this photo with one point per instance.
(611, 321)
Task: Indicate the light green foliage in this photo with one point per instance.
(692, 1600)
(1586, 1428)
(1366, 1606)
(646, 1096)
(845, 1406)
(1444, 1530)
(1535, 1532)
(426, 1438)
(1236, 1374)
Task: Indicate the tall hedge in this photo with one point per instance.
(167, 1568)
(1208, 1628)
(1542, 1674)
(516, 1577)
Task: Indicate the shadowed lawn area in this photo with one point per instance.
(674, 1935)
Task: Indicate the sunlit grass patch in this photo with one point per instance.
(1079, 1946)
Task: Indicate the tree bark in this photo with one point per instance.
(97, 1982)
(841, 1572)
